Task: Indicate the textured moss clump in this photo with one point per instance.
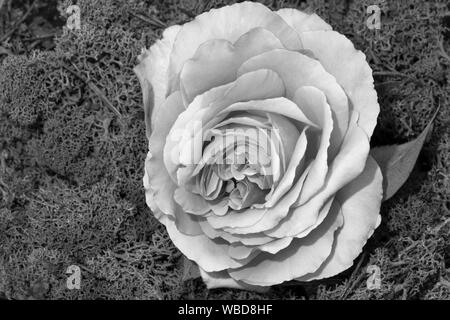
(72, 149)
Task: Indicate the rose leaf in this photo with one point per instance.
(190, 270)
(397, 161)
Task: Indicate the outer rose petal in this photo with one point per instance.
(229, 23)
(210, 255)
(361, 201)
(339, 57)
(246, 239)
(161, 189)
(152, 72)
(149, 198)
(239, 251)
(223, 280)
(160, 183)
(301, 21)
(216, 61)
(301, 257)
(234, 219)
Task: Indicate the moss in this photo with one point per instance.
(71, 167)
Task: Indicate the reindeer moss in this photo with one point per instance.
(72, 148)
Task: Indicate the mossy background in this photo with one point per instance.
(72, 149)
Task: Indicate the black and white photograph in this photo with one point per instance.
(242, 152)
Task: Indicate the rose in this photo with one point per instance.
(259, 125)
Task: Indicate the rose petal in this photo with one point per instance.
(219, 207)
(361, 200)
(229, 23)
(216, 61)
(276, 245)
(311, 98)
(213, 185)
(222, 279)
(149, 198)
(152, 72)
(200, 249)
(254, 195)
(288, 179)
(301, 257)
(348, 164)
(160, 183)
(287, 134)
(245, 119)
(298, 70)
(339, 57)
(191, 203)
(235, 219)
(254, 239)
(279, 105)
(161, 186)
(301, 21)
(186, 223)
(239, 251)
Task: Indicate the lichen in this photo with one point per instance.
(71, 167)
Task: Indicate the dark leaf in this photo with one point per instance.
(397, 161)
(190, 270)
